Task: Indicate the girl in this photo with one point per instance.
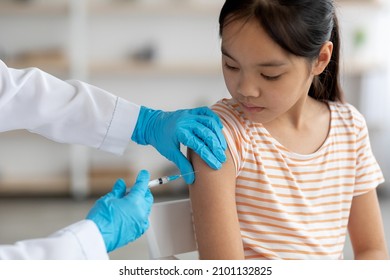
(300, 171)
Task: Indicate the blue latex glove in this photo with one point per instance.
(199, 129)
(123, 218)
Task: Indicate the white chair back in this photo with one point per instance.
(171, 231)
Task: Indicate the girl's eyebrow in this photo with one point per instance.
(225, 53)
(271, 63)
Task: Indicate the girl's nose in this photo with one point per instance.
(247, 86)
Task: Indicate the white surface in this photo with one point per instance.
(171, 229)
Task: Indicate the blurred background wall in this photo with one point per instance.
(161, 54)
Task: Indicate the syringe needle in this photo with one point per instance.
(189, 173)
(164, 180)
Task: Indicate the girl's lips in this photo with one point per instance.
(251, 108)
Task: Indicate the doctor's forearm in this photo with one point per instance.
(78, 241)
(64, 111)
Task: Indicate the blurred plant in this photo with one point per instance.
(359, 38)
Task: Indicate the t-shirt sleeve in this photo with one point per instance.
(368, 173)
(231, 130)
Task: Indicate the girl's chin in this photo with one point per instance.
(256, 117)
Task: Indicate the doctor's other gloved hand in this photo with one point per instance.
(120, 217)
(200, 129)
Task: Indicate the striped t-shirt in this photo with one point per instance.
(293, 206)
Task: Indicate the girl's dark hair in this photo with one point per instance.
(300, 27)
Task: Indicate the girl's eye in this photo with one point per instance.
(229, 67)
(271, 78)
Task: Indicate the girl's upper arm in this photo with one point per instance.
(366, 228)
(214, 208)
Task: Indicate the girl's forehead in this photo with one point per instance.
(248, 40)
(242, 32)
(248, 37)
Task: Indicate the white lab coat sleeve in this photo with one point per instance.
(79, 241)
(71, 112)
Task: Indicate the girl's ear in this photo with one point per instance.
(323, 58)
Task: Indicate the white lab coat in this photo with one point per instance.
(67, 112)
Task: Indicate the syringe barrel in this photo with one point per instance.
(158, 181)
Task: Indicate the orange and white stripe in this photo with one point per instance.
(293, 206)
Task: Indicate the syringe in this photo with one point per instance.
(163, 180)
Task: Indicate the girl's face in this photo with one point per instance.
(266, 81)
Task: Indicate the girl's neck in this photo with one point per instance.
(303, 130)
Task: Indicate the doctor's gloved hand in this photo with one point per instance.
(120, 217)
(200, 129)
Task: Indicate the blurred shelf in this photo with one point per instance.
(102, 179)
(111, 8)
(61, 67)
(51, 61)
(58, 68)
(35, 186)
(171, 8)
(32, 9)
(153, 69)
